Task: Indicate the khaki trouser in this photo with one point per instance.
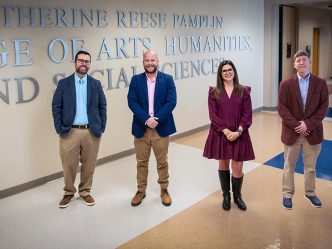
(143, 150)
(310, 154)
(79, 145)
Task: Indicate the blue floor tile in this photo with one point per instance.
(324, 162)
(329, 112)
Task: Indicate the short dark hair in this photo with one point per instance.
(82, 52)
(301, 53)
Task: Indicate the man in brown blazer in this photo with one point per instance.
(302, 105)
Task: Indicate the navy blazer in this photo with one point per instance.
(164, 104)
(64, 106)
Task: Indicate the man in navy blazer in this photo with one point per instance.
(152, 98)
(79, 113)
(302, 105)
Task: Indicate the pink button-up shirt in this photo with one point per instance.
(151, 84)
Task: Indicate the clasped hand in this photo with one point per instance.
(302, 129)
(231, 135)
(152, 122)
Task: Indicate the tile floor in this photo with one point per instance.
(32, 219)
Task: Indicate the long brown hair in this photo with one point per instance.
(220, 86)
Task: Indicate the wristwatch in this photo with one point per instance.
(240, 132)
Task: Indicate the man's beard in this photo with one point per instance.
(149, 68)
(79, 71)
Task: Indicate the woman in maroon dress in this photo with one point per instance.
(230, 113)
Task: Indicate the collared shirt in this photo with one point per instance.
(151, 84)
(304, 85)
(81, 116)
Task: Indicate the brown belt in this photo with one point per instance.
(86, 126)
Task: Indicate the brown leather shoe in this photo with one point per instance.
(88, 200)
(137, 199)
(65, 201)
(165, 197)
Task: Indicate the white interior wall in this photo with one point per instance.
(29, 147)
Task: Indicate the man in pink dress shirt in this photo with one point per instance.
(152, 98)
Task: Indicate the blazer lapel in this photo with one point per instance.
(310, 91)
(72, 88)
(158, 85)
(298, 91)
(89, 90)
(145, 87)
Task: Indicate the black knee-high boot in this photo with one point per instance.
(224, 177)
(236, 187)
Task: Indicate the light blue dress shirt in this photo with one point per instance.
(304, 85)
(81, 117)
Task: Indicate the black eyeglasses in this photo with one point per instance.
(81, 61)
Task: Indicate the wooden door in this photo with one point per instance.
(315, 51)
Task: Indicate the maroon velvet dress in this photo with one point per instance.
(229, 113)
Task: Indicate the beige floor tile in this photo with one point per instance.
(265, 224)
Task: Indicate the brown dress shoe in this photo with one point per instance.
(165, 197)
(137, 199)
(65, 201)
(88, 200)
